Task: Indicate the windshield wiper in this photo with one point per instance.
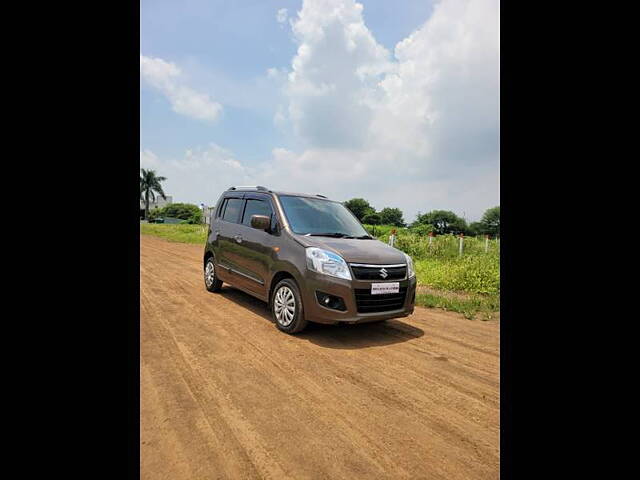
(328, 234)
(338, 235)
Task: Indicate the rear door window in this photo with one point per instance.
(255, 207)
(232, 210)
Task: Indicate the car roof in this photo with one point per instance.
(278, 193)
(294, 194)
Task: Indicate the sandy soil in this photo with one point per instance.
(225, 395)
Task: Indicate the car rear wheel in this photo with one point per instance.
(286, 307)
(211, 281)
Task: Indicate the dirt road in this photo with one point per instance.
(225, 395)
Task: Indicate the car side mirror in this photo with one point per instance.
(261, 222)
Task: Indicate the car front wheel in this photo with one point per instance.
(286, 307)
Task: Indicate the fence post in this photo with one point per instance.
(486, 243)
(461, 243)
(430, 239)
(392, 237)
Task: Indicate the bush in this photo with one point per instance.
(391, 216)
(184, 211)
(444, 221)
(422, 229)
(154, 214)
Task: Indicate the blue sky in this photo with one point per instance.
(319, 97)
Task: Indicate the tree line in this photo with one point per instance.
(440, 222)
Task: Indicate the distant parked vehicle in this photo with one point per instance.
(308, 257)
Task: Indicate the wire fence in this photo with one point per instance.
(441, 246)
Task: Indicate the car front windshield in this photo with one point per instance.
(315, 216)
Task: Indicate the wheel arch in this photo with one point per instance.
(285, 271)
(280, 275)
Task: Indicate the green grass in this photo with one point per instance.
(176, 232)
(474, 306)
(469, 274)
(469, 284)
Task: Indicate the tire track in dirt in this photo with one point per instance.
(381, 393)
(413, 398)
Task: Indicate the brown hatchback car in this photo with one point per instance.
(308, 257)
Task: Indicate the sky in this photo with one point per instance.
(394, 102)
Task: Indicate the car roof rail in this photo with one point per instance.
(250, 187)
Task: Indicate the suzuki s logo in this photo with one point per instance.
(383, 273)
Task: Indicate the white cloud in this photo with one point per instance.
(281, 16)
(425, 120)
(416, 128)
(167, 78)
(444, 97)
(336, 64)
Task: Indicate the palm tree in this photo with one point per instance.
(150, 185)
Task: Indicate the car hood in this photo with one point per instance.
(356, 251)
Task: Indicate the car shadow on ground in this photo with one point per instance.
(341, 336)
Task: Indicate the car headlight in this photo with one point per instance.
(410, 271)
(329, 263)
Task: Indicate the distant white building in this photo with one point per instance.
(158, 203)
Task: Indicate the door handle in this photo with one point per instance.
(238, 238)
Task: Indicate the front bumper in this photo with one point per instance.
(346, 290)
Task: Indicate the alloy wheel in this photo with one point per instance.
(284, 306)
(209, 274)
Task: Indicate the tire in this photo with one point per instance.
(211, 281)
(287, 293)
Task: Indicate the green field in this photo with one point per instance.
(469, 284)
(176, 232)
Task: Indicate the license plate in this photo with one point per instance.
(382, 288)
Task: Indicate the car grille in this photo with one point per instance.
(367, 303)
(373, 273)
